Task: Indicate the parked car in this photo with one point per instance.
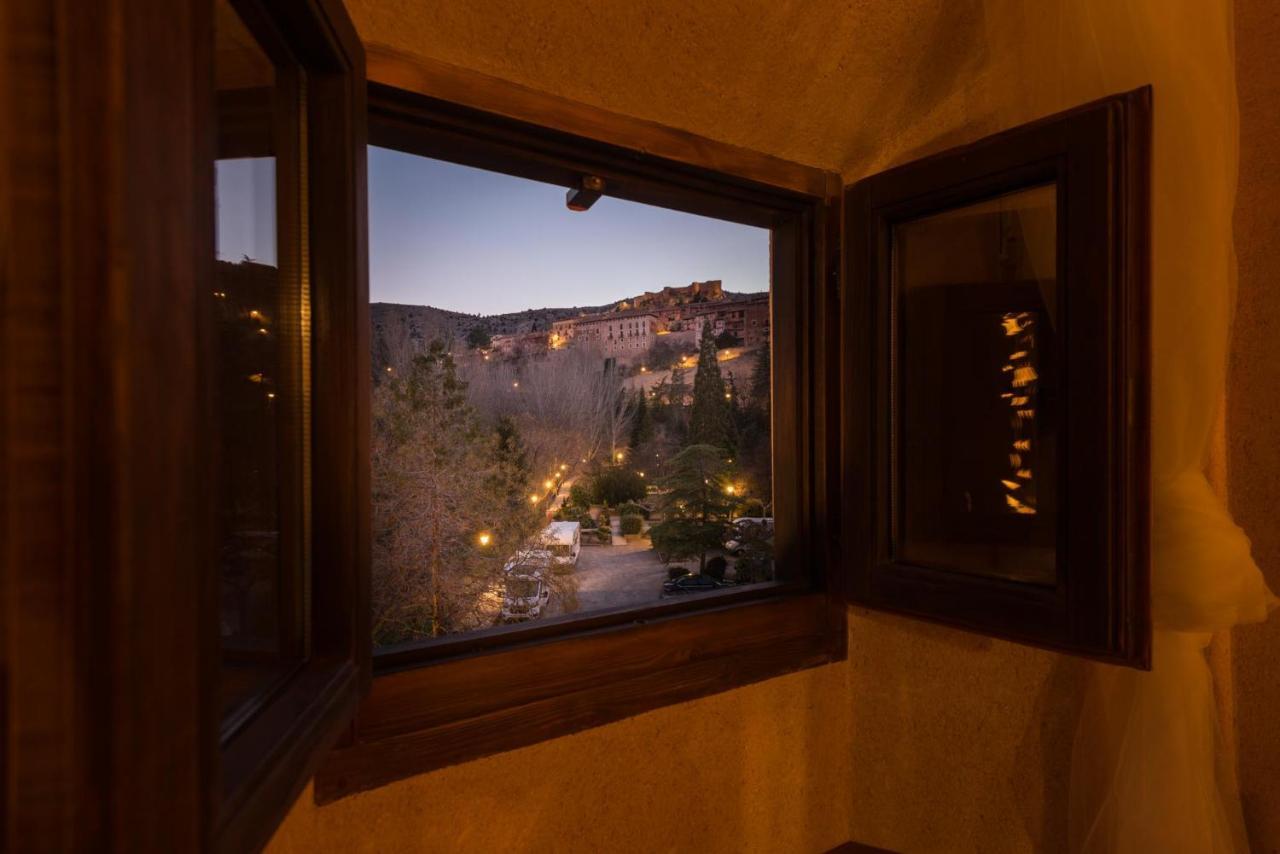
(563, 540)
(692, 584)
(748, 529)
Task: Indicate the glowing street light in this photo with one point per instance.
(533, 499)
(563, 466)
(619, 456)
(485, 539)
(730, 489)
(515, 384)
(546, 484)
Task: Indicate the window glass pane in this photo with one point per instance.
(976, 390)
(259, 396)
(571, 409)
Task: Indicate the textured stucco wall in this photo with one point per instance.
(927, 739)
(762, 768)
(1253, 408)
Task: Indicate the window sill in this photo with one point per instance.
(463, 708)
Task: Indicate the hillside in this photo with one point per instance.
(395, 326)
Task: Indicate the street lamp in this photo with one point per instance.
(485, 539)
(533, 499)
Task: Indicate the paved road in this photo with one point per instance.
(622, 576)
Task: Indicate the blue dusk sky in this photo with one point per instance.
(480, 242)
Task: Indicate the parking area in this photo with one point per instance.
(627, 575)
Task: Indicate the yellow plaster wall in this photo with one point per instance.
(927, 739)
(1253, 408)
(748, 770)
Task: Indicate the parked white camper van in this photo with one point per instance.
(563, 540)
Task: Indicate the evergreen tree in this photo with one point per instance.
(513, 466)
(440, 479)
(709, 421)
(642, 421)
(695, 506)
(760, 376)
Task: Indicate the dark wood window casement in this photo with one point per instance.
(450, 699)
(185, 358)
(995, 363)
(286, 367)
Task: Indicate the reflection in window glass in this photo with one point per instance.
(571, 411)
(258, 394)
(976, 406)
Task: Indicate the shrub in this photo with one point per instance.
(716, 567)
(587, 523)
(752, 507)
(604, 536)
(752, 568)
(632, 523)
(726, 339)
(633, 509)
(616, 485)
(579, 495)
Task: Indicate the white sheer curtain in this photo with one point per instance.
(1146, 774)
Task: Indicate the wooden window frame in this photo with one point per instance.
(1098, 154)
(450, 700)
(267, 759)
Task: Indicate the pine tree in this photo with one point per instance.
(642, 421)
(441, 478)
(760, 377)
(695, 505)
(709, 422)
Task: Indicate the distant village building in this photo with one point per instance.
(562, 333)
(694, 292)
(629, 330)
(622, 334)
(747, 319)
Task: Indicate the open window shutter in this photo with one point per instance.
(995, 362)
